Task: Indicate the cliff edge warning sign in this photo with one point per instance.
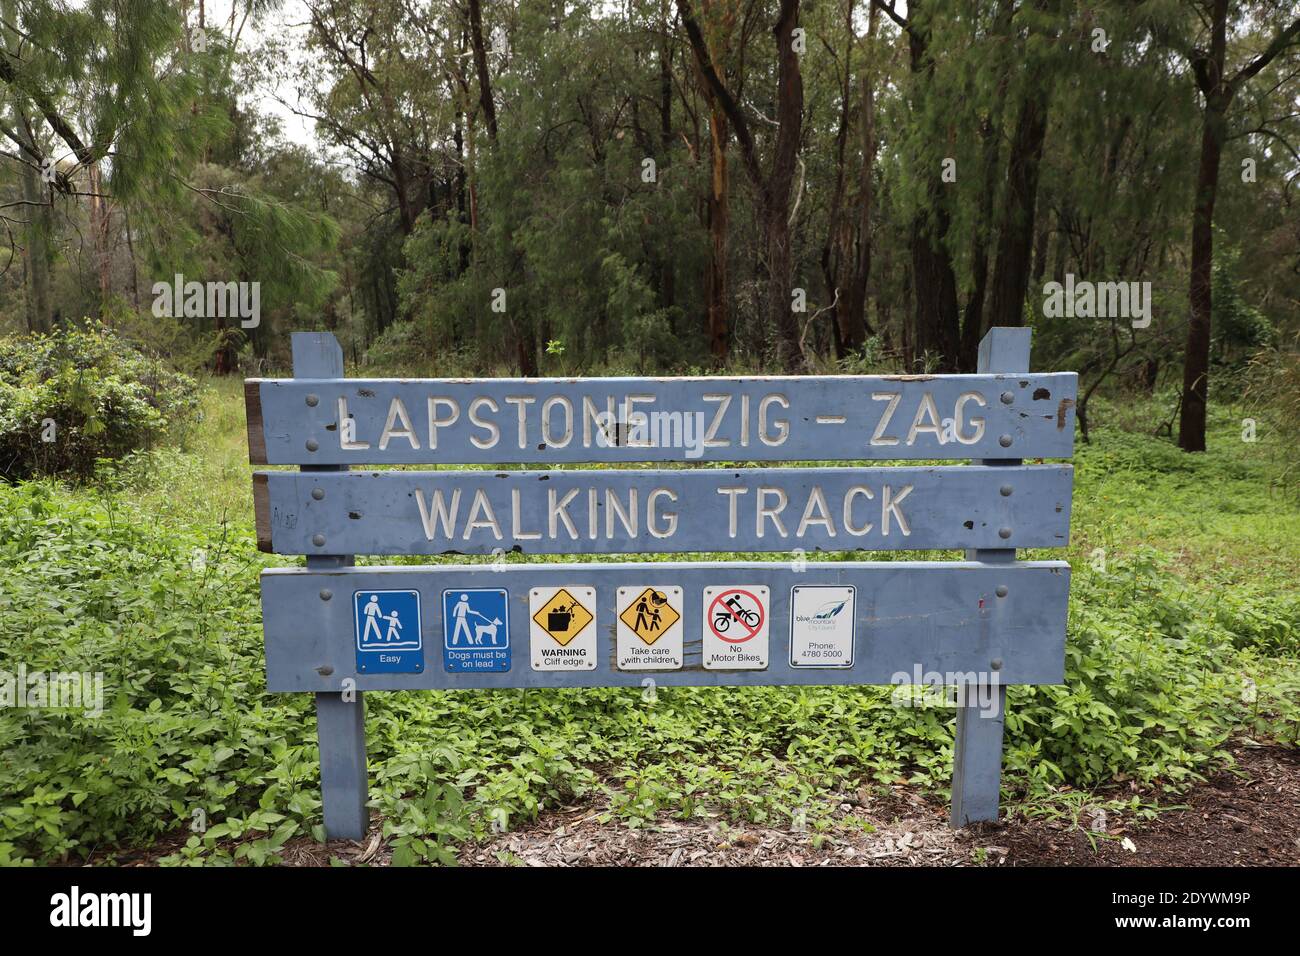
(562, 629)
(736, 627)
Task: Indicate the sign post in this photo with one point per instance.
(340, 716)
(977, 745)
(337, 630)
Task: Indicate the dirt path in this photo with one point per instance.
(1249, 817)
(1246, 817)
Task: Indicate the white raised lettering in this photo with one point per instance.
(522, 401)
(481, 503)
(849, 526)
(817, 503)
(557, 512)
(773, 513)
(435, 422)
(516, 519)
(652, 525)
(878, 437)
(711, 439)
(490, 427)
(439, 514)
(397, 410)
(925, 410)
(548, 436)
(959, 414)
(889, 506)
(782, 426)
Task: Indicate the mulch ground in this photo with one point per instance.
(1248, 816)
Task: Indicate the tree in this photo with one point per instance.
(935, 331)
(109, 79)
(774, 187)
(846, 252)
(1218, 85)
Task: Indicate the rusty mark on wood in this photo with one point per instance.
(262, 513)
(256, 436)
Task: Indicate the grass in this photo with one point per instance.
(1183, 631)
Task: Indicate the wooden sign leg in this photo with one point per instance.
(977, 747)
(344, 784)
(340, 720)
(977, 755)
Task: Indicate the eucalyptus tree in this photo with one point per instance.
(1113, 187)
(774, 186)
(102, 92)
(1228, 45)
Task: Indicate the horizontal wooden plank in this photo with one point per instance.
(653, 511)
(1000, 622)
(802, 418)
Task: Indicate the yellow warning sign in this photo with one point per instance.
(649, 615)
(562, 617)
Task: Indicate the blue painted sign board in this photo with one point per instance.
(954, 617)
(304, 421)
(989, 621)
(654, 511)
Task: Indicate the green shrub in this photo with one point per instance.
(79, 395)
(1273, 395)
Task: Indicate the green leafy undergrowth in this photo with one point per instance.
(1166, 660)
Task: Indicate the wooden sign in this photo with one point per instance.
(338, 631)
(546, 421)
(950, 617)
(703, 509)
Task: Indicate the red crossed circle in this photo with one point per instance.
(730, 613)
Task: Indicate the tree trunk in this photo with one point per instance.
(1040, 249)
(667, 269)
(972, 328)
(100, 227)
(717, 293)
(1196, 367)
(784, 322)
(527, 353)
(36, 254)
(1015, 244)
(459, 188)
(130, 251)
(855, 326)
(846, 256)
(717, 285)
(935, 334)
(838, 242)
(481, 68)
(789, 116)
(774, 190)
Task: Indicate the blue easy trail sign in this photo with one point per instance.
(387, 629)
(476, 630)
(979, 624)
